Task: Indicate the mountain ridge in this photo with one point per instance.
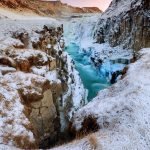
(46, 8)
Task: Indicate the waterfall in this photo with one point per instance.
(92, 60)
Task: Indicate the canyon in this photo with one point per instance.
(83, 77)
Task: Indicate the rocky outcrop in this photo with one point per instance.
(39, 107)
(37, 95)
(14, 3)
(5, 60)
(23, 36)
(42, 75)
(17, 130)
(129, 27)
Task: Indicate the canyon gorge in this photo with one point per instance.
(74, 78)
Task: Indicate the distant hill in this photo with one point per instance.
(46, 7)
(91, 9)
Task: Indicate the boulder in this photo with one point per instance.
(23, 36)
(4, 69)
(4, 60)
(13, 42)
(37, 98)
(129, 27)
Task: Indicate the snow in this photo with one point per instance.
(29, 53)
(6, 69)
(12, 110)
(53, 77)
(122, 112)
(80, 29)
(6, 147)
(20, 79)
(16, 22)
(13, 122)
(10, 41)
(105, 51)
(31, 83)
(39, 70)
(75, 89)
(119, 7)
(125, 108)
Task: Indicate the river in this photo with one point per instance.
(90, 77)
(78, 32)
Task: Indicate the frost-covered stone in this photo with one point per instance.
(15, 127)
(5, 69)
(123, 23)
(38, 117)
(13, 42)
(4, 60)
(36, 96)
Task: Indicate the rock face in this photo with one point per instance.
(37, 99)
(125, 22)
(33, 63)
(35, 92)
(17, 129)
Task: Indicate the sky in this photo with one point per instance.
(102, 4)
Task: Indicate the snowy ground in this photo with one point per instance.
(13, 121)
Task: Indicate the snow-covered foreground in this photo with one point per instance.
(122, 112)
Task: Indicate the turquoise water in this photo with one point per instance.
(90, 77)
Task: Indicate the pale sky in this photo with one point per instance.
(102, 4)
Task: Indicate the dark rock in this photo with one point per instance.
(130, 28)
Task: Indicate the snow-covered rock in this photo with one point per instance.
(76, 93)
(15, 127)
(13, 42)
(125, 22)
(5, 69)
(39, 77)
(81, 29)
(35, 96)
